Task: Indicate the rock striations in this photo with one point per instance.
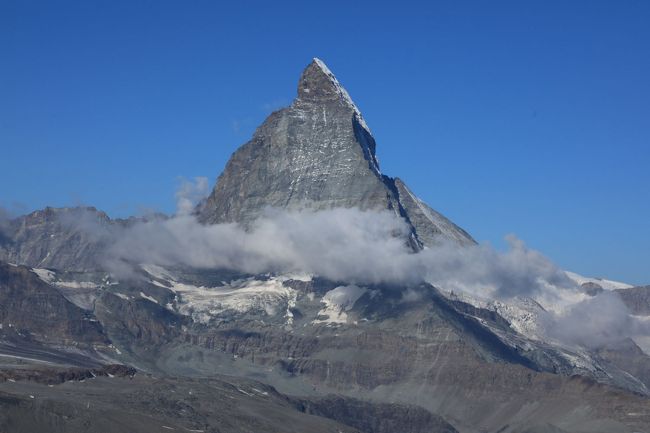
(317, 154)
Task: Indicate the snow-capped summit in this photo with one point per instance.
(307, 90)
(316, 154)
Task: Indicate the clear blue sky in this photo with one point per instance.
(525, 117)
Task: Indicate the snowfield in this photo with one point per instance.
(605, 284)
(241, 296)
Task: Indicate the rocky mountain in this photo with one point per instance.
(66, 238)
(179, 348)
(317, 154)
(32, 309)
(74, 238)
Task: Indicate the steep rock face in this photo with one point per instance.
(316, 154)
(136, 324)
(31, 308)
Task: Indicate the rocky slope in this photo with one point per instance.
(124, 402)
(34, 310)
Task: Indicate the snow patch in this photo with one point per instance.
(204, 303)
(527, 318)
(304, 277)
(76, 284)
(523, 314)
(605, 284)
(148, 298)
(156, 271)
(50, 278)
(337, 302)
(45, 274)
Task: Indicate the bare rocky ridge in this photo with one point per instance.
(317, 154)
(69, 238)
(64, 238)
(32, 309)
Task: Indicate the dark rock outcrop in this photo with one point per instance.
(138, 325)
(32, 309)
(376, 417)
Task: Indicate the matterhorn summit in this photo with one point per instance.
(317, 154)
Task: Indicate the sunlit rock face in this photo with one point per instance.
(317, 154)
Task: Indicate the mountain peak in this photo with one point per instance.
(317, 154)
(318, 84)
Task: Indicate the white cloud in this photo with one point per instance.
(357, 247)
(189, 194)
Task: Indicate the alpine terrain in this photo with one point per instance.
(99, 337)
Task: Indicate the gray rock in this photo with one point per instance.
(591, 289)
(32, 309)
(317, 154)
(143, 404)
(430, 226)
